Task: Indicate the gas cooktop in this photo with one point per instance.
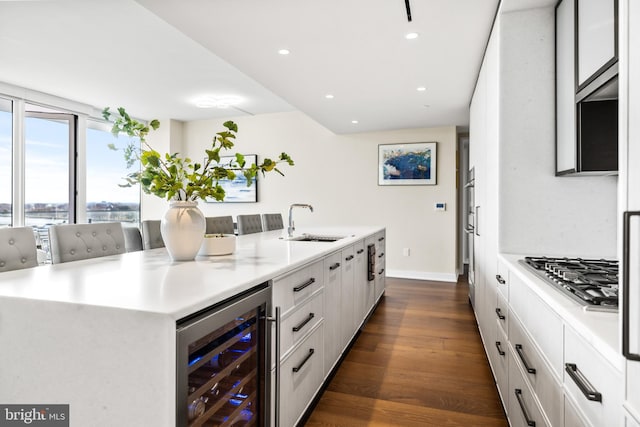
(591, 282)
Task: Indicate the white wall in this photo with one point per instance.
(337, 174)
(539, 212)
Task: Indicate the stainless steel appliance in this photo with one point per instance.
(590, 282)
(222, 363)
(470, 230)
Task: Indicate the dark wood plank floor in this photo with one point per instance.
(419, 361)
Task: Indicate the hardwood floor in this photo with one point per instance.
(419, 361)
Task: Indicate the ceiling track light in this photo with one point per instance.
(408, 6)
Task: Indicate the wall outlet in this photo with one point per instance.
(406, 252)
(441, 206)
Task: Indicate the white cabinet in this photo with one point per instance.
(347, 292)
(629, 194)
(596, 33)
(333, 305)
(360, 285)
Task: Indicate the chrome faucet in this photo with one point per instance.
(291, 227)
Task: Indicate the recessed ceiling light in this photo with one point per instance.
(355, 122)
(411, 36)
(284, 51)
(209, 101)
(329, 96)
(421, 89)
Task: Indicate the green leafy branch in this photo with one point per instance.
(172, 177)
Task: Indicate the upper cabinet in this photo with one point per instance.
(586, 87)
(597, 41)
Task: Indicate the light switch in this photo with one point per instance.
(441, 206)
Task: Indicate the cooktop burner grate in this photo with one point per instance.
(593, 282)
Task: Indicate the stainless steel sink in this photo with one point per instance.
(315, 238)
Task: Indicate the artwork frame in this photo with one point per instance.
(396, 163)
(236, 191)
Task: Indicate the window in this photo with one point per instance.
(6, 132)
(106, 200)
(48, 171)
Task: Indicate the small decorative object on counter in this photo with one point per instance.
(177, 178)
(218, 244)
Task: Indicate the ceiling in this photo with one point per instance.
(157, 57)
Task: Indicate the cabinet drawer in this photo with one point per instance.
(592, 382)
(301, 377)
(289, 290)
(572, 417)
(539, 320)
(501, 363)
(502, 312)
(502, 280)
(522, 410)
(299, 322)
(544, 383)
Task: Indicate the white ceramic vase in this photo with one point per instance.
(183, 227)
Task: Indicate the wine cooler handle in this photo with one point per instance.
(520, 352)
(583, 384)
(277, 320)
(499, 347)
(304, 285)
(297, 368)
(499, 313)
(626, 303)
(304, 322)
(523, 408)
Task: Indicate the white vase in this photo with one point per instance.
(182, 228)
(218, 244)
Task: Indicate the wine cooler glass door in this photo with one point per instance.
(222, 368)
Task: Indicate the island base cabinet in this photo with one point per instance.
(572, 417)
(301, 376)
(630, 421)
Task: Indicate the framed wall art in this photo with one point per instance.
(236, 191)
(407, 164)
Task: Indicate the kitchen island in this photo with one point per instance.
(100, 334)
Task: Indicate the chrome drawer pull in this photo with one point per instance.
(583, 384)
(499, 347)
(525, 413)
(349, 258)
(304, 285)
(520, 352)
(304, 322)
(360, 251)
(334, 266)
(499, 313)
(297, 368)
(380, 239)
(500, 279)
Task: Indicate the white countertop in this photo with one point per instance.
(600, 329)
(148, 281)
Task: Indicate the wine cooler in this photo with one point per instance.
(223, 367)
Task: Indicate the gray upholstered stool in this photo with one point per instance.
(73, 242)
(151, 236)
(248, 224)
(17, 248)
(272, 222)
(219, 225)
(132, 238)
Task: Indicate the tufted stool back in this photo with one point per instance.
(151, 234)
(219, 224)
(272, 222)
(248, 224)
(17, 248)
(73, 242)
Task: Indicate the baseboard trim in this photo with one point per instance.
(422, 275)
